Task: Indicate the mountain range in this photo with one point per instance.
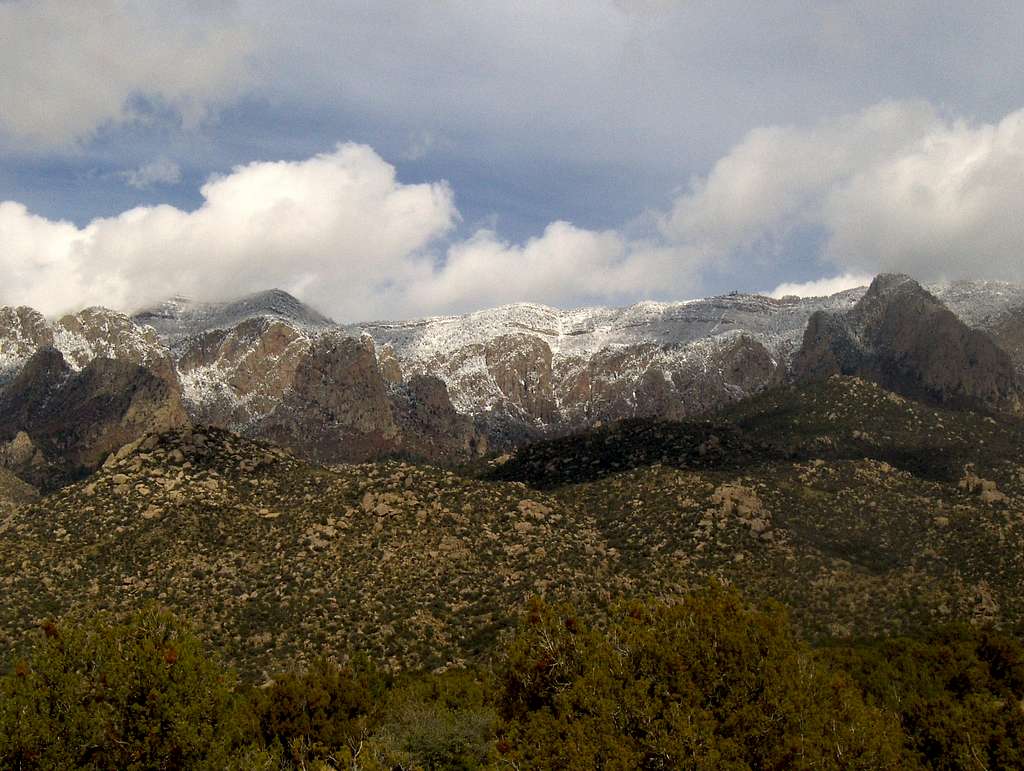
(449, 389)
(299, 487)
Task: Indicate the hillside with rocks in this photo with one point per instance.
(279, 561)
(861, 510)
(864, 511)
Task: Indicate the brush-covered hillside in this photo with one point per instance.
(862, 511)
(279, 561)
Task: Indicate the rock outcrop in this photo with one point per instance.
(903, 338)
(323, 394)
(57, 423)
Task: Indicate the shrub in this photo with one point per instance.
(959, 693)
(316, 713)
(437, 721)
(118, 692)
(705, 683)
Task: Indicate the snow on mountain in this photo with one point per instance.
(980, 304)
(23, 331)
(518, 369)
(542, 365)
(80, 337)
(585, 331)
(179, 317)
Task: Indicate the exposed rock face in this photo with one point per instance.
(337, 405)
(237, 376)
(319, 392)
(520, 366)
(390, 367)
(900, 336)
(23, 331)
(441, 389)
(431, 428)
(56, 423)
(14, 492)
(98, 332)
(1008, 332)
(740, 367)
(525, 371)
(268, 366)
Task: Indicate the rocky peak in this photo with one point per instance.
(57, 422)
(102, 333)
(902, 337)
(179, 318)
(23, 331)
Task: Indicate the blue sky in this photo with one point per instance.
(396, 159)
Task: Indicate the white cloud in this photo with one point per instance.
(822, 287)
(338, 228)
(69, 68)
(893, 188)
(162, 171)
(565, 265)
(952, 206)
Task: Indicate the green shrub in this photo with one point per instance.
(959, 693)
(320, 712)
(706, 683)
(118, 692)
(437, 721)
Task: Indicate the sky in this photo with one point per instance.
(388, 160)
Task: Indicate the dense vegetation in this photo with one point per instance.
(709, 681)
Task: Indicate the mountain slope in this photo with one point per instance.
(444, 389)
(279, 561)
(863, 511)
(902, 337)
(529, 370)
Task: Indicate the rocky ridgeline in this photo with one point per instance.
(447, 389)
(80, 338)
(278, 561)
(901, 336)
(528, 371)
(74, 390)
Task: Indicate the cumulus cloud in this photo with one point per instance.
(896, 187)
(338, 228)
(822, 287)
(162, 171)
(67, 69)
(564, 265)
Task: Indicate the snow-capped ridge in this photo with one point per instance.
(180, 317)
